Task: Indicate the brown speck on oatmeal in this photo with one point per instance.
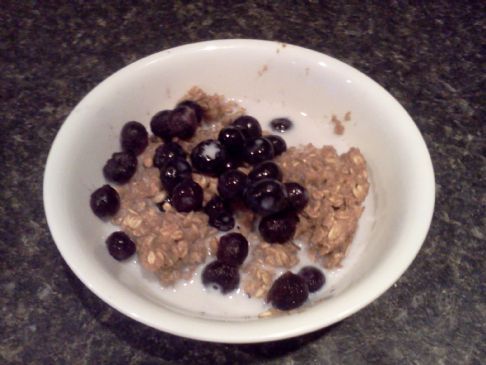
(338, 125)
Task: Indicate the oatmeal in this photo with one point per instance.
(177, 201)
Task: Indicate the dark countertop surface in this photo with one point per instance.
(428, 56)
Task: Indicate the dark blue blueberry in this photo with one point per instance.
(187, 196)
(265, 170)
(249, 126)
(209, 157)
(266, 196)
(120, 167)
(221, 276)
(288, 292)
(183, 122)
(216, 205)
(134, 137)
(174, 172)
(223, 221)
(233, 248)
(120, 246)
(258, 150)
(198, 110)
(104, 201)
(313, 277)
(281, 124)
(231, 184)
(167, 152)
(298, 196)
(233, 140)
(279, 227)
(278, 143)
(160, 125)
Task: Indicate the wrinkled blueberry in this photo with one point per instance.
(231, 184)
(233, 248)
(223, 221)
(279, 227)
(233, 140)
(187, 196)
(281, 124)
(160, 125)
(198, 110)
(266, 196)
(298, 196)
(249, 126)
(258, 150)
(209, 157)
(221, 276)
(288, 292)
(120, 167)
(134, 137)
(313, 277)
(183, 122)
(216, 205)
(278, 143)
(174, 172)
(265, 170)
(104, 201)
(167, 152)
(120, 246)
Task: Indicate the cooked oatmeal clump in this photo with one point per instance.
(337, 186)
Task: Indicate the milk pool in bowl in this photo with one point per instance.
(192, 298)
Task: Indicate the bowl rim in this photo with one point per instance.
(267, 329)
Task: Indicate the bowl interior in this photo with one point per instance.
(270, 79)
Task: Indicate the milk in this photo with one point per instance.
(192, 298)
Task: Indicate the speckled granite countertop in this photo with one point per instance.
(428, 57)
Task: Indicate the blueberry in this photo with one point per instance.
(231, 184)
(160, 125)
(281, 124)
(174, 172)
(288, 292)
(120, 246)
(232, 163)
(104, 201)
(187, 196)
(215, 206)
(313, 277)
(266, 196)
(249, 126)
(233, 248)
(221, 276)
(232, 140)
(198, 110)
(298, 196)
(167, 152)
(183, 122)
(209, 157)
(265, 170)
(120, 167)
(279, 227)
(278, 143)
(223, 221)
(134, 137)
(258, 150)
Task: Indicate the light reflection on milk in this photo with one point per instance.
(194, 299)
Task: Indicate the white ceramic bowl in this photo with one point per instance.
(262, 73)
